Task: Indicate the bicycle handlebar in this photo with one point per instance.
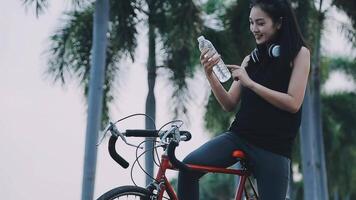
(185, 136)
(153, 133)
(141, 133)
(113, 153)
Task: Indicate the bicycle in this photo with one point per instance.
(169, 140)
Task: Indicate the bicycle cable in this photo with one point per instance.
(138, 162)
(154, 149)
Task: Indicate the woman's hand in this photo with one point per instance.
(239, 73)
(208, 60)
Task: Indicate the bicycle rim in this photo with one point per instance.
(126, 193)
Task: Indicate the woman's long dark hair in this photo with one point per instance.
(289, 36)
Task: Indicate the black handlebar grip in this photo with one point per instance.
(120, 160)
(172, 157)
(141, 133)
(152, 133)
(187, 134)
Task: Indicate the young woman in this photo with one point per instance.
(270, 86)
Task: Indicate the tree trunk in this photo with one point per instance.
(312, 143)
(336, 194)
(95, 97)
(307, 143)
(318, 117)
(150, 101)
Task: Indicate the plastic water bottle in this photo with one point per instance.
(220, 69)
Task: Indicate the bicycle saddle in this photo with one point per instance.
(239, 154)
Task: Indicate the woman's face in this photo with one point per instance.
(262, 26)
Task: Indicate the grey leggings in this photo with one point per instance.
(271, 170)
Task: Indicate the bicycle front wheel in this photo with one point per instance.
(126, 193)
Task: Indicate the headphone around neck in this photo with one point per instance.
(273, 51)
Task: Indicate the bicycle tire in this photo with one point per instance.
(126, 193)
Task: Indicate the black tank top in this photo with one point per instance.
(261, 123)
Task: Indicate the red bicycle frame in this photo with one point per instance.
(165, 164)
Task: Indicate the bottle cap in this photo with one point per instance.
(201, 38)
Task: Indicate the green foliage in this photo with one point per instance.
(348, 7)
(179, 26)
(237, 26)
(216, 119)
(307, 16)
(40, 5)
(328, 65)
(214, 186)
(233, 43)
(339, 116)
(324, 69)
(69, 55)
(217, 187)
(343, 64)
(213, 6)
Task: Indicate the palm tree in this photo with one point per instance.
(312, 143)
(40, 5)
(348, 7)
(95, 89)
(96, 80)
(175, 23)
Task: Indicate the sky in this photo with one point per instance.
(42, 125)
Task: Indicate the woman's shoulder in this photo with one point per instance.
(303, 56)
(304, 50)
(303, 53)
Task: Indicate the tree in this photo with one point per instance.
(340, 139)
(69, 54)
(348, 7)
(95, 99)
(95, 88)
(338, 122)
(178, 32)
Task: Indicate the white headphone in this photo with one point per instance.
(273, 52)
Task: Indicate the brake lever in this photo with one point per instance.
(117, 133)
(105, 132)
(176, 136)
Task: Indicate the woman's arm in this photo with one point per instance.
(292, 100)
(227, 100)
